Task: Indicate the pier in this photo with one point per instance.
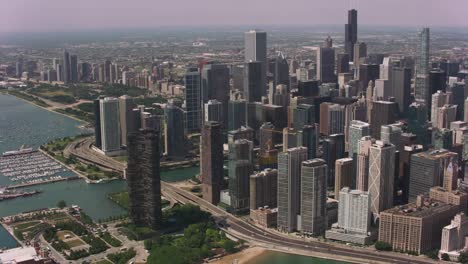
(42, 181)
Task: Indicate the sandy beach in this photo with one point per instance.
(243, 257)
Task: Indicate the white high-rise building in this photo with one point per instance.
(110, 124)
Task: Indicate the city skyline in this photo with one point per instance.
(92, 15)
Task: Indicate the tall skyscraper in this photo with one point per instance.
(351, 31)
(326, 65)
(253, 86)
(174, 133)
(333, 148)
(289, 187)
(97, 123)
(313, 197)
(193, 103)
(212, 172)
(280, 70)
(143, 178)
(382, 113)
(344, 175)
(255, 44)
(240, 168)
(126, 106)
(214, 111)
(332, 117)
(237, 114)
(401, 87)
(357, 130)
(74, 68)
(110, 124)
(362, 163)
(310, 139)
(421, 91)
(303, 114)
(66, 67)
(381, 176)
(215, 85)
(264, 189)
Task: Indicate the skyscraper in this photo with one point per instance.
(240, 168)
(326, 65)
(351, 31)
(237, 114)
(73, 68)
(381, 176)
(253, 86)
(310, 136)
(212, 172)
(255, 44)
(193, 103)
(66, 67)
(332, 118)
(382, 113)
(421, 91)
(110, 124)
(174, 133)
(126, 106)
(143, 178)
(264, 189)
(344, 175)
(215, 85)
(97, 123)
(214, 111)
(357, 130)
(313, 197)
(289, 187)
(401, 87)
(362, 163)
(303, 114)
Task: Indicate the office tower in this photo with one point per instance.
(326, 65)
(362, 163)
(331, 118)
(356, 111)
(432, 168)
(417, 122)
(289, 187)
(391, 134)
(269, 137)
(237, 111)
(66, 67)
(351, 31)
(465, 117)
(255, 44)
(174, 132)
(445, 115)
(342, 64)
(97, 123)
(110, 127)
(215, 85)
(309, 136)
(253, 86)
(84, 71)
(280, 70)
(291, 138)
(421, 90)
(313, 197)
(281, 96)
(308, 88)
(458, 98)
(344, 175)
(214, 111)
(416, 227)
(275, 114)
(354, 218)
(438, 99)
(454, 235)
(367, 73)
(357, 130)
(404, 174)
(143, 178)
(333, 149)
(437, 80)
(241, 133)
(74, 68)
(382, 113)
(264, 189)
(381, 176)
(193, 104)
(383, 90)
(442, 138)
(240, 168)
(126, 106)
(212, 172)
(107, 71)
(52, 75)
(360, 52)
(303, 114)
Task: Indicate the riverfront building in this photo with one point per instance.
(110, 125)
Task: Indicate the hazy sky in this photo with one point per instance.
(59, 15)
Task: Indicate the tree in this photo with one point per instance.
(463, 258)
(61, 204)
(445, 257)
(229, 245)
(380, 245)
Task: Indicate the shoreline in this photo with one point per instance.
(246, 256)
(48, 109)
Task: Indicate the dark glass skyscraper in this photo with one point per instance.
(351, 30)
(255, 43)
(193, 103)
(73, 68)
(212, 172)
(253, 86)
(66, 67)
(174, 131)
(143, 178)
